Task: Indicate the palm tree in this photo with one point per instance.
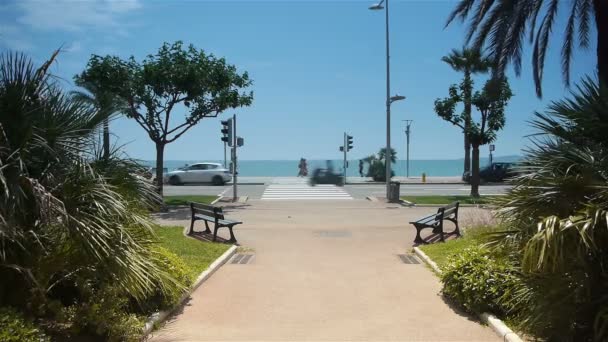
(469, 62)
(61, 217)
(104, 102)
(502, 26)
(382, 155)
(556, 214)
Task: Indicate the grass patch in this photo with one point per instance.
(185, 200)
(441, 252)
(447, 199)
(197, 255)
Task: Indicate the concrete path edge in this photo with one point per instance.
(160, 316)
(499, 327)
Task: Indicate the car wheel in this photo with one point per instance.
(218, 180)
(174, 180)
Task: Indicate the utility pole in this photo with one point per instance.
(408, 123)
(234, 174)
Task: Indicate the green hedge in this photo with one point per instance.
(479, 281)
(15, 328)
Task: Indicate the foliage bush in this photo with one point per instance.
(479, 281)
(76, 241)
(14, 328)
(168, 295)
(557, 213)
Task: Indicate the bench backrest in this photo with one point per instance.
(447, 211)
(207, 210)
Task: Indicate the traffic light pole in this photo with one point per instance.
(345, 161)
(234, 174)
(224, 154)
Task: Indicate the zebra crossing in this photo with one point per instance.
(301, 190)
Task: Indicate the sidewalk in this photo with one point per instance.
(322, 271)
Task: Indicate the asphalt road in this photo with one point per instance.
(356, 191)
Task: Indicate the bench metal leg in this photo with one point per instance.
(457, 229)
(418, 238)
(232, 238)
(207, 230)
(191, 227)
(215, 232)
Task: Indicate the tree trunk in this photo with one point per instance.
(106, 139)
(601, 22)
(467, 122)
(467, 153)
(160, 151)
(475, 174)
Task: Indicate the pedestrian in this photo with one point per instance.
(361, 168)
(302, 172)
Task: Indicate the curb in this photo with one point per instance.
(499, 327)
(160, 316)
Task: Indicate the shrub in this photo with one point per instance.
(167, 294)
(104, 314)
(479, 281)
(14, 328)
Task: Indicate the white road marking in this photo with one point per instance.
(304, 192)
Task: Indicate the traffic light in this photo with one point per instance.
(227, 131)
(349, 143)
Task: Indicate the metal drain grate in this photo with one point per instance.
(408, 259)
(333, 233)
(241, 259)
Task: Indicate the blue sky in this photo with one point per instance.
(318, 70)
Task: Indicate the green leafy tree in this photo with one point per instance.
(199, 84)
(502, 26)
(377, 164)
(382, 155)
(490, 103)
(469, 62)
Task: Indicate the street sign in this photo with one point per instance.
(492, 148)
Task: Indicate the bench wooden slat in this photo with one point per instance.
(425, 219)
(215, 215)
(435, 221)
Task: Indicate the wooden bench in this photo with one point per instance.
(209, 213)
(435, 221)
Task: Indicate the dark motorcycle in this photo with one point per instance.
(325, 176)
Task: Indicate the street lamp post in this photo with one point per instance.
(389, 99)
(408, 123)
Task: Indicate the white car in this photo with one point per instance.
(199, 173)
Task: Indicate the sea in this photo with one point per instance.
(287, 168)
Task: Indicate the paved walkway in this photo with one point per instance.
(322, 271)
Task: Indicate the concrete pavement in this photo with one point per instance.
(322, 271)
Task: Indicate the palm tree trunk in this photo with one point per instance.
(467, 122)
(601, 22)
(106, 139)
(160, 151)
(467, 152)
(475, 175)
